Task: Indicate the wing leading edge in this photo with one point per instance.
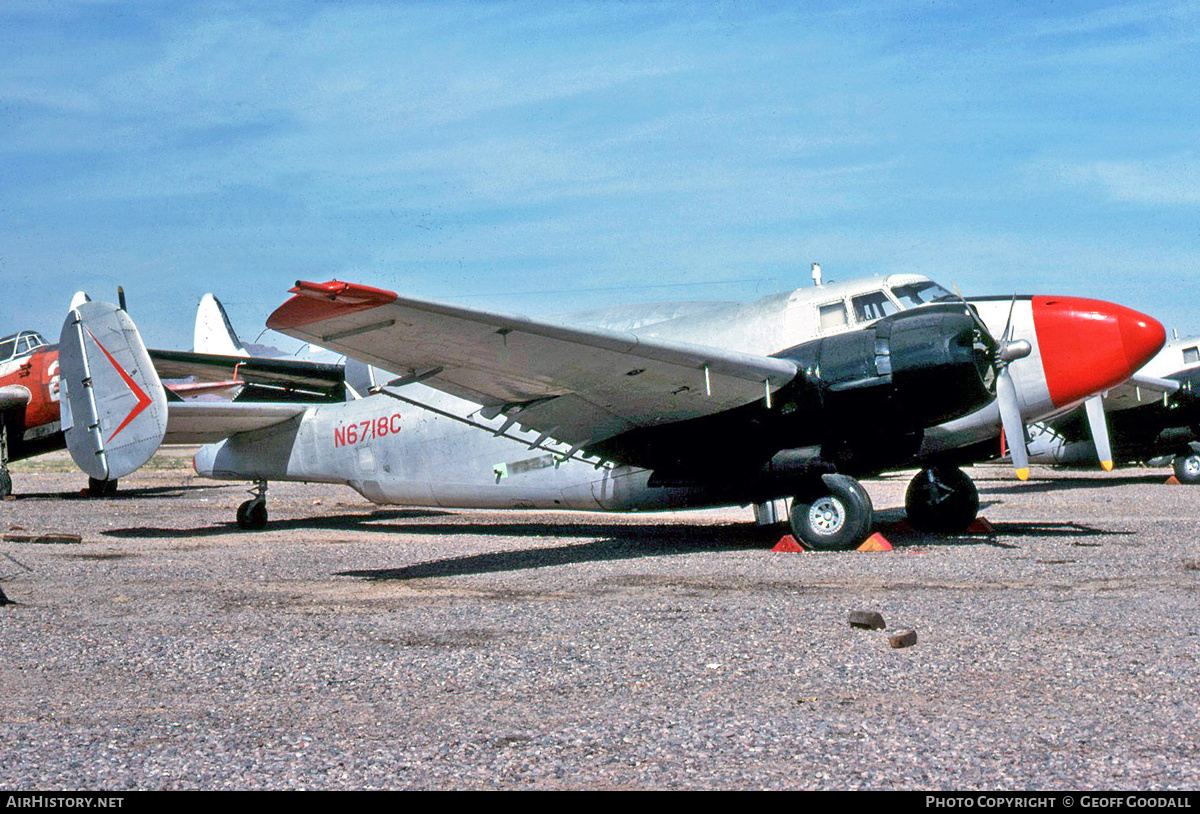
(579, 386)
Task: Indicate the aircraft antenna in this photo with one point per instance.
(816, 274)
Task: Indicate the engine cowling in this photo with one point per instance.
(911, 370)
(859, 405)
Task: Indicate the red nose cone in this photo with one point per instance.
(1142, 336)
(1088, 346)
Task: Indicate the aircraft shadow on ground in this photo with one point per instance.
(149, 491)
(1003, 533)
(628, 543)
(347, 522)
(1034, 486)
(609, 541)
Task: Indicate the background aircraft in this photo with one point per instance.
(29, 397)
(1154, 415)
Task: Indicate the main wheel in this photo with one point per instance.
(5, 482)
(836, 515)
(101, 488)
(1187, 468)
(252, 515)
(942, 500)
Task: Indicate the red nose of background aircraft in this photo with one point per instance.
(1088, 346)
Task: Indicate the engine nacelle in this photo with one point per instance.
(862, 400)
(912, 370)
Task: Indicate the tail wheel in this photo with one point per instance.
(941, 500)
(835, 515)
(252, 515)
(1187, 468)
(101, 488)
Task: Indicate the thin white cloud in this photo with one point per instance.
(1169, 181)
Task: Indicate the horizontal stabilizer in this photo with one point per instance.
(270, 379)
(204, 422)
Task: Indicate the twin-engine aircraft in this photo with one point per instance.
(795, 396)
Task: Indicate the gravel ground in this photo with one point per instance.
(350, 646)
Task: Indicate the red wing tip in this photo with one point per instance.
(342, 292)
(314, 302)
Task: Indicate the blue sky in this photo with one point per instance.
(546, 157)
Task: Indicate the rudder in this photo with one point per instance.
(114, 407)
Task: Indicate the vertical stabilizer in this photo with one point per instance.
(214, 333)
(114, 406)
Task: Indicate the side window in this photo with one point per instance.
(833, 315)
(6, 349)
(872, 306)
(1190, 355)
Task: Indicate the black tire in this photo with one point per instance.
(101, 488)
(1187, 468)
(942, 500)
(5, 482)
(252, 515)
(836, 515)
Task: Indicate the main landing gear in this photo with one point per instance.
(1187, 467)
(252, 515)
(834, 513)
(941, 499)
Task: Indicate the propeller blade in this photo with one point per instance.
(1010, 419)
(1008, 323)
(1098, 424)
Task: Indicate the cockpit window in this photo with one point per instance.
(1191, 355)
(20, 344)
(910, 296)
(871, 306)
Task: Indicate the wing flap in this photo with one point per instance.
(578, 385)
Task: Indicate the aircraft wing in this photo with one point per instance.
(204, 422)
(578, 386)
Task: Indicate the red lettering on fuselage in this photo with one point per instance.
(367, 430)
